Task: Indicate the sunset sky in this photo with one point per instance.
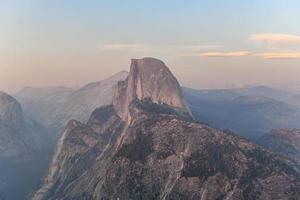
(205, 43)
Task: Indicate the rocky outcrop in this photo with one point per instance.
(285, 141)
(149, 78)
(143, 147)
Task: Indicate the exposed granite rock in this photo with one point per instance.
(149, 78)
(163, 156)
(142, 147)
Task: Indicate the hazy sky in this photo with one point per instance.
(206, 43)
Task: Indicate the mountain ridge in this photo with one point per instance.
(160, 154)
(18, 132)
(55, 109)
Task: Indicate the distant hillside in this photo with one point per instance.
(55, 106)
(285, 141)
(250, 112)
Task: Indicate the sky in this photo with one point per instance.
(205, 43)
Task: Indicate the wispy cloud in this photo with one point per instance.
(280, 46)
(272, 40)
(212, 51)
(281, 55)
(226, 54)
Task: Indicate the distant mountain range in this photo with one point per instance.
(284, 141)
(146, 145)
(55, 106)
(20, 136)
(250, 112)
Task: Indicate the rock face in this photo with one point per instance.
(285, 141)
(149, 149)
(149, 78)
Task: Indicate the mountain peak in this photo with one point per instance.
(149, 78)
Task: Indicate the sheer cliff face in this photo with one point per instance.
(149, 78)
(142, 147)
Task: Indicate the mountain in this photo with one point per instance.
(266, 91)
(243, 111)
(42, 103)
(285, 141)
(149, 78)
(55, 106)
(20, 136)
(23, 150)
(145, 145)
(250, 112)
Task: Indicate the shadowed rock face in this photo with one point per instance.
(285, 141)
(149, 150)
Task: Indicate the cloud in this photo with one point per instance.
(226, 54)
(281, 55)
(272, 40)
(281, 46)
(180, 51)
